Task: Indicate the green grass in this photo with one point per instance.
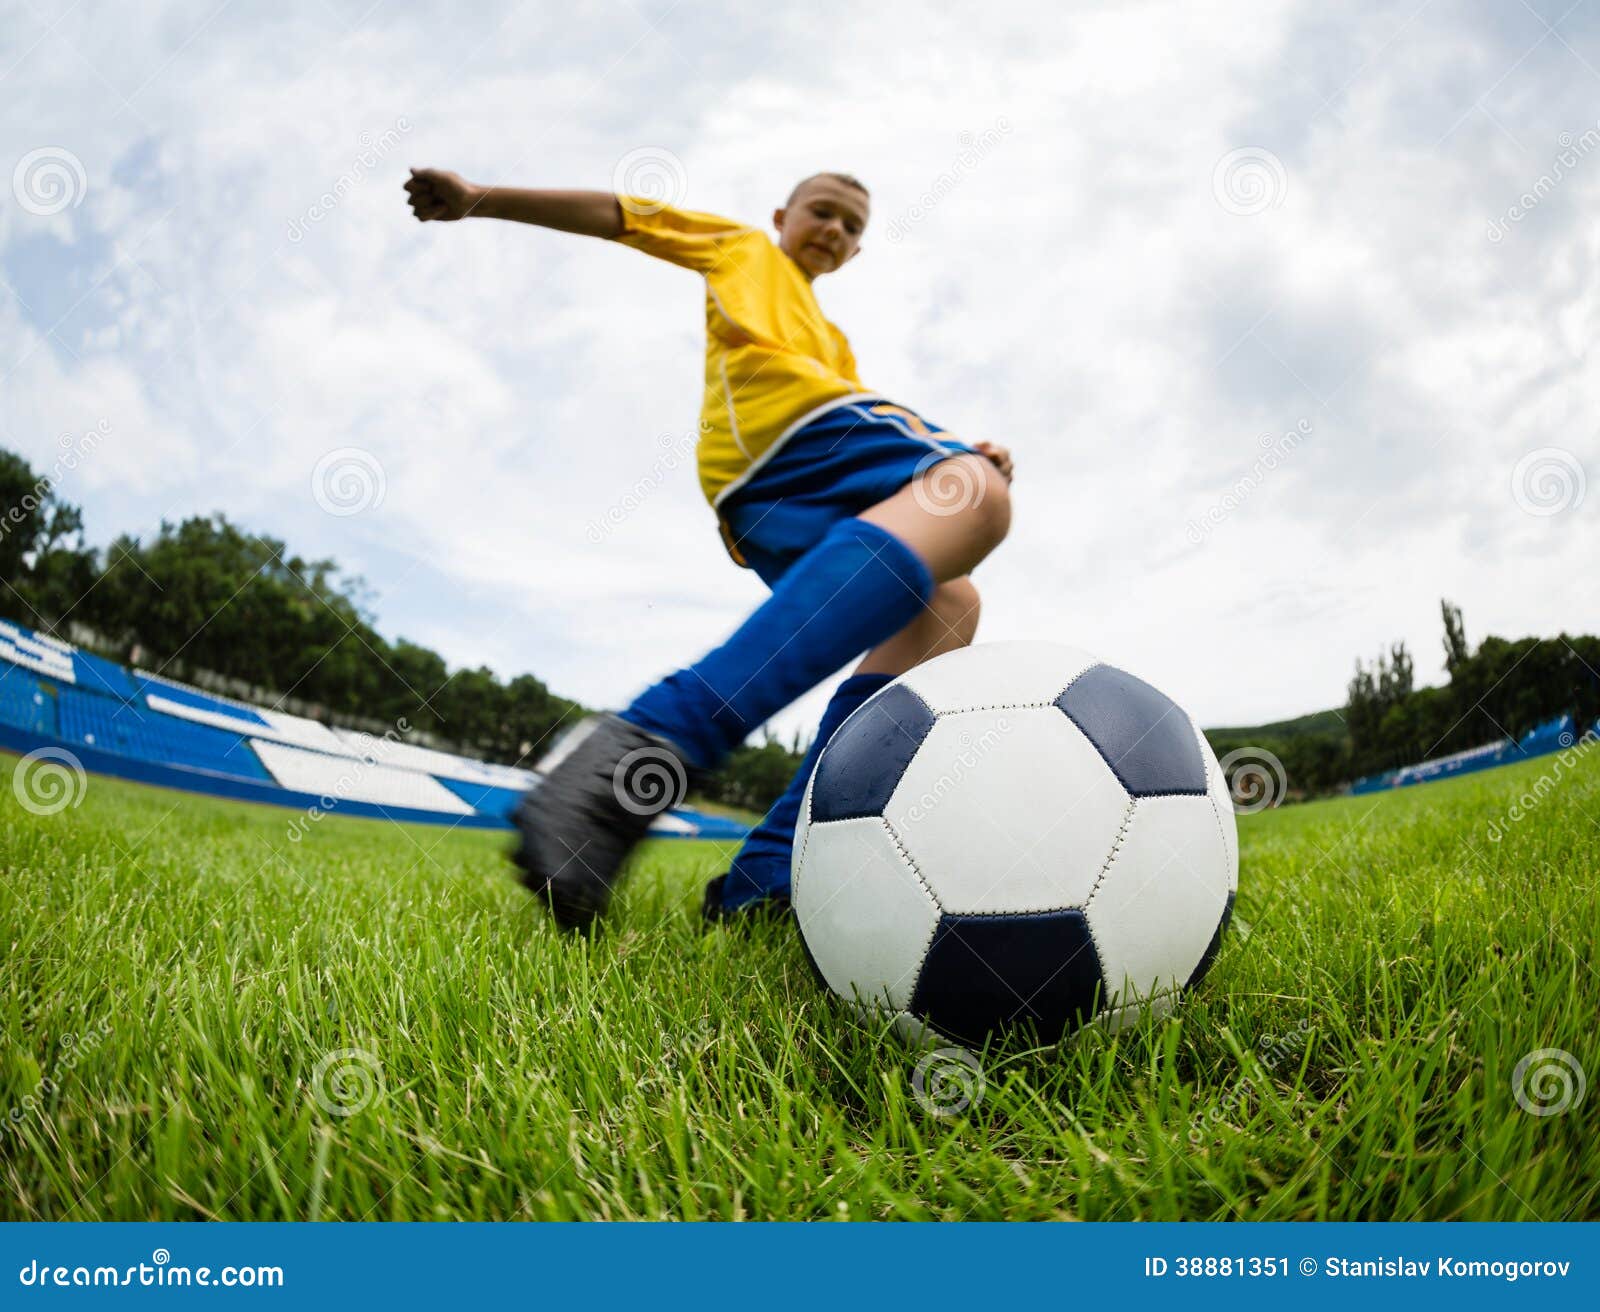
(175, 969)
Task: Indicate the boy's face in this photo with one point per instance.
(820, 229)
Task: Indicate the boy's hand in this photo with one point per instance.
(998, 456)
(438, 196)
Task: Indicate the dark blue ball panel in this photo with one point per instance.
(864, 760)
(987, 974)
(1213, 947)
(1146, 740)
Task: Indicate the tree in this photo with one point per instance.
(1394, 675)
(19, 525)
(1373, 693)
(43, 564)
(753, 777)
(1456, 651)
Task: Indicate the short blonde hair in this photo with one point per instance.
(845, 178)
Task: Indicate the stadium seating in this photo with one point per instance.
(347, 778)
(1541, 740)
(192, 704)
(36, 652)
(24, 704)
(125, 729)
(407, 756)
(142, 726)
(151, 685)
(486, 798)
(94, 674)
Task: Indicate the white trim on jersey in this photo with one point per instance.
(783, 437)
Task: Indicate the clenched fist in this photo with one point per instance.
(437, 195)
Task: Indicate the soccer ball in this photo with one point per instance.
(1014, 835)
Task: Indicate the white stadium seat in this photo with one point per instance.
(36, 652)
(303, 732)
(408, 756)
(350, 779)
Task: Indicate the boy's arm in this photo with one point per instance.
(436, 196)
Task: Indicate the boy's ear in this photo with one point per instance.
(778, 216)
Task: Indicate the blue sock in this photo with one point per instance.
(855, 588)
(761, 870)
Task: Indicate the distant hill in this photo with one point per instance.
(1318, 724)
(1303, 757)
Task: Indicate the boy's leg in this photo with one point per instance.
(857, 586)
(866, 580)
(759, 874)
(952, 515)
(860, 585)
(760, 871)
(949, 622)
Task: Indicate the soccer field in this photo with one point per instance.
(206, 1019)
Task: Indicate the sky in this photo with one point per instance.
(1284, 309)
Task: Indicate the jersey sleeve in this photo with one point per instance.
(682, 237)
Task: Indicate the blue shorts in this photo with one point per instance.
(838, 465)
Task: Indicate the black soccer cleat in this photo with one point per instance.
(602, 786)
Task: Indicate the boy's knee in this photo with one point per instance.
(988, 509)
(957, 605)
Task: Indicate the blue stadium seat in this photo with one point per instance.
(198, 700)
(96, 674)
(123, 728)
(484, 798)
(25, 703)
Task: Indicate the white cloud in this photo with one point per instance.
(1078, 294)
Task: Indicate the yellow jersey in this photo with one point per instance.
(773, 361)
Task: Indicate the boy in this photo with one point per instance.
(863, 519)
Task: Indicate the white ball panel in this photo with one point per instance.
(1128, 1016)
(866, 917)
(1162, 898)
(801, 828)
(1008, 810)
(917, 1034)
(997, 674)
(911, 1030)
(1227, 819)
